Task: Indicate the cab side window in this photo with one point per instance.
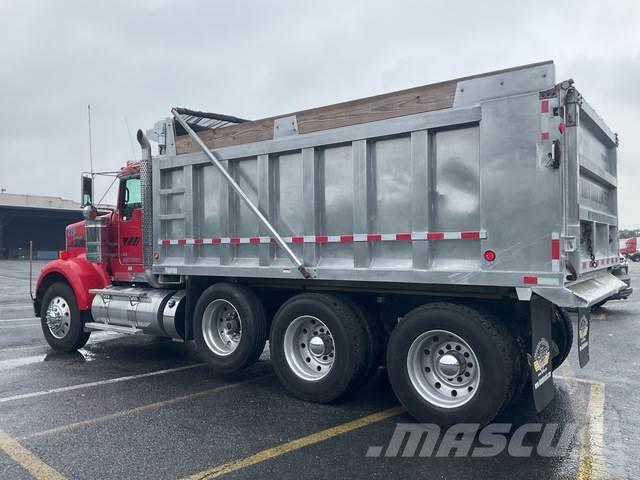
(132, 197)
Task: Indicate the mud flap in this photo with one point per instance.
(540, 362)
(584, 327)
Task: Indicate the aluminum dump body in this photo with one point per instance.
(419, 187)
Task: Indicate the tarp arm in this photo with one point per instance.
(213, 157)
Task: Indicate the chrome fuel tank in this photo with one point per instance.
(151, 311)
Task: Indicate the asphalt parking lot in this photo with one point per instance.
(141, 407)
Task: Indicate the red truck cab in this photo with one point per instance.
(64, 284)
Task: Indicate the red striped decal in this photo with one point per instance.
(544, 135)
(544, 106)
(555, 249)
(530, 280)
(349, 238)
(470, 235)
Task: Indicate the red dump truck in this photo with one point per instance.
(630, 248)
(441, 231)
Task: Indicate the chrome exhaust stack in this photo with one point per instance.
(147, 208)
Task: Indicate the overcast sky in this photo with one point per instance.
(133, 60)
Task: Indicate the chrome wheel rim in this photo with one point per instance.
(309, 348)
(222, 327)
(443, 369)
(58, 317)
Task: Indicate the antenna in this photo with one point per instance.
(133, 150)
(90, 146)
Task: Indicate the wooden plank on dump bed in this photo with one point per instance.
(406, 102)
(422, 99)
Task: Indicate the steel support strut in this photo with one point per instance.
(213, 157)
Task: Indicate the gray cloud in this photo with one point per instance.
(135, 60)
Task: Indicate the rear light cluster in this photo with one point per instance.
(63, 255)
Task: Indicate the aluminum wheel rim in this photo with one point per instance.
(443, 369)
(309, 348)
(58, 317)
(222, 327)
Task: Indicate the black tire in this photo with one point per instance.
(523, 373)
(59, 295)
(252, 320)
(373, 346)
(493, 346)
(349, 340)
(562, 335)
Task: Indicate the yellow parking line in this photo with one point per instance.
(141, 408)
(296, 444)
(591, 456)
(27, 460)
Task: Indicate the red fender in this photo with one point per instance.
(79, 273)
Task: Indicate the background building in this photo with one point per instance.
(38, 218)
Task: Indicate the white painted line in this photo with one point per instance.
(97, 384)
(5, 320)
(96, 337)
(571, 378)
(14, 278)
(21, 325)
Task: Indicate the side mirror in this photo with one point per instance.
(87, 190)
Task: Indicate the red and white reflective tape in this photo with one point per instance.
(315, 239)
(600, 262)
(545, 282)
(555, 252)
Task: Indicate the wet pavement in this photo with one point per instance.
(141, 407)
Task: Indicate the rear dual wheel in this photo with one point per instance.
(322, 346)
(450, 363)
(230, 327)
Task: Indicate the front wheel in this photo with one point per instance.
(61, 320)
(449, 363)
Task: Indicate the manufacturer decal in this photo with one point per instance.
(583, 332)
(541, 358)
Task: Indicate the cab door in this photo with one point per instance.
(129, 265)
